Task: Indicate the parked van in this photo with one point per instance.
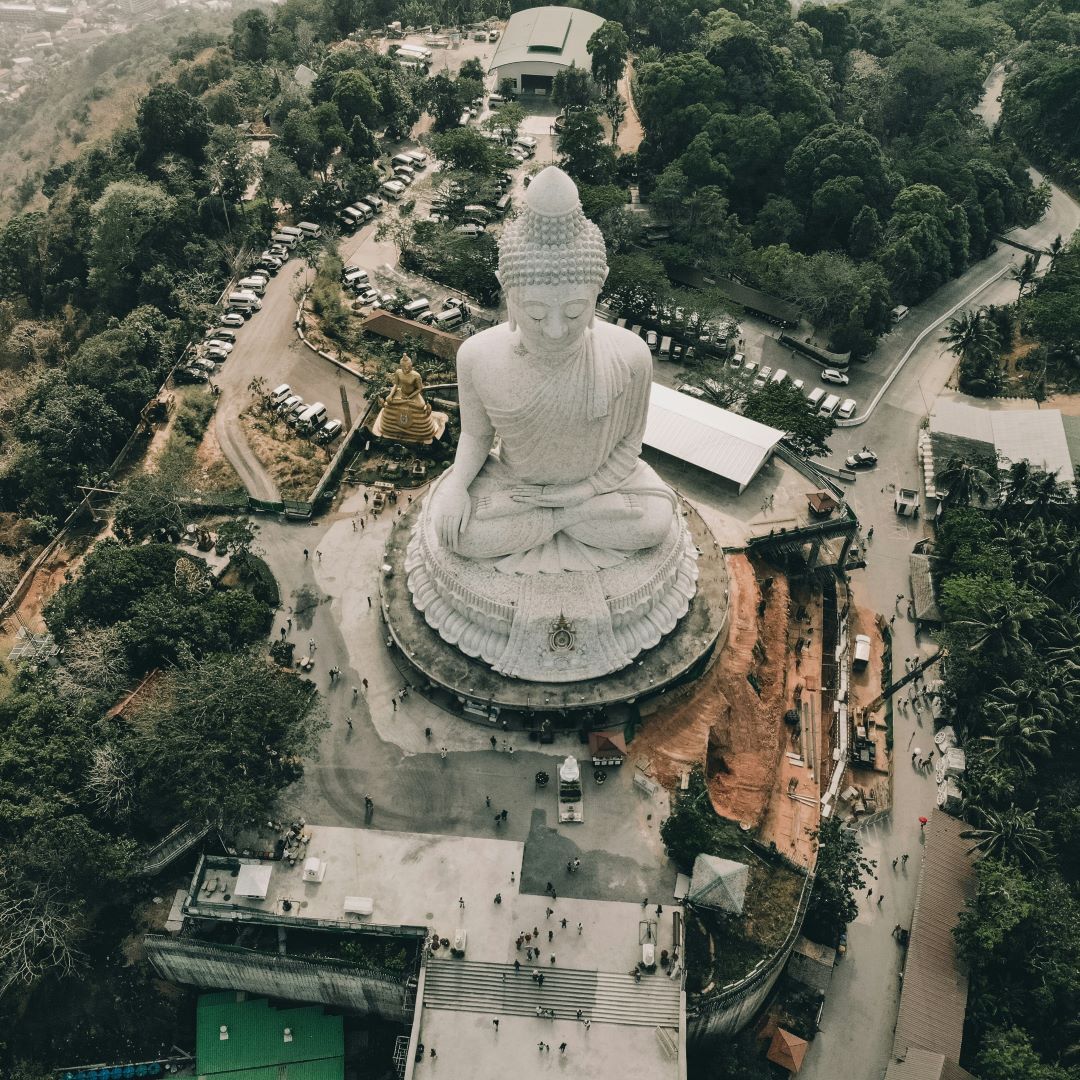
(778, 376)
(293, 414)
(363, 210)
(312, 417)
(374, 202)
(503, 205)
(244, 301)
(288, 403)
(350, 218)
(419, 158)
(403, 159)
(899, 312)
(665, 346)
(310, 229)
(415, 52)
(393, 189)
(416, 307)
(829, 406)
(862, 652)
(354, 278)
(329, 431)
(450, 319)
(292, 230)
(527, 144)
(279, 394)
(480, 214)
(285, 239)
(815, 398)
(254, 284)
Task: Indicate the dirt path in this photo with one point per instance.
(630, 131)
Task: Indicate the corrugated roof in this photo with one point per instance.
(396, 328)
(1033, 435)
(256, 1048)
(922, 589)
(924, 1065)
(547, 35)
(934, 997)
(722, 442)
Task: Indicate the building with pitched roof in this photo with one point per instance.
(718, 883)
(540, 42)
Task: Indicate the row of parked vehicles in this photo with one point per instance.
(310, 420)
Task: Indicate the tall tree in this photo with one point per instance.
(608, 47)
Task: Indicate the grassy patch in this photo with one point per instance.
(295, 463)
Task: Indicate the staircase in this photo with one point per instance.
(182, 839)
(604, 997)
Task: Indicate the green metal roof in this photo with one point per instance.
(256, 1048)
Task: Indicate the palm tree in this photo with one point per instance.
(971, 336)
(963, 479)
(1024, 274)
(1018, 741)
(998, 631)
(1055, 248)
(1024, 699)
(1016, 486)
(1009, 835)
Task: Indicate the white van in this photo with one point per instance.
(450, 319)
(778, 376)
(245, 301)
(362, 209)
(283, 238)
(405, 160)
(354, 278)
(527, 144)
(862, 652)
(329, 431)
(814, 398)
(829, 406)
(374, 202)
(393, 189)
(278, 394)
(312, 417)
(351, 218)
(292, 230)
(310, 229)
(288, 403)
(252, 284)
(417, 307)
(665, 346)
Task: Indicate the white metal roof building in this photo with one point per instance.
(1036, 436)
(539, 42)
(712, 438)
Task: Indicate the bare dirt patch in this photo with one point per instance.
(724, 723)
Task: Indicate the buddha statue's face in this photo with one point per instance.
(406, 364)
(552, 318)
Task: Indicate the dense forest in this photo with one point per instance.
(1009, 574)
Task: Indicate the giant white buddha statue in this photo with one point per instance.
(550, 549)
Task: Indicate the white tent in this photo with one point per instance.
(253, 880)
(718, 883)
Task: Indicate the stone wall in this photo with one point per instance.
(321, 981)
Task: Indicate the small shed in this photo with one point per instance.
(821, 503)
(718, 883)
(607, 747)
(787, 1050)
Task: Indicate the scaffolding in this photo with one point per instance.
(33, 648)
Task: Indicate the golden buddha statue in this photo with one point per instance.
(405, 416)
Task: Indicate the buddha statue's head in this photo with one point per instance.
(406, 363)
(552, 266)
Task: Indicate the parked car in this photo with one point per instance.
(216, 354)
(190, 375)
(457, 302)
(862, 652)
(203, 363)
(847, 409)
(287, 404)
(221, 344)
(831, 375)
(829, 406)
(222, 335)
(471, 230)
(232, 318)
(278, 394)
(652, 340)
(329, 431)
(367, 295)
(798, 384)
(737, 360)
(861, 459)
(405, 174)
(762, 377)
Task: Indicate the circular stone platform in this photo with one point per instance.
(679, 655)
